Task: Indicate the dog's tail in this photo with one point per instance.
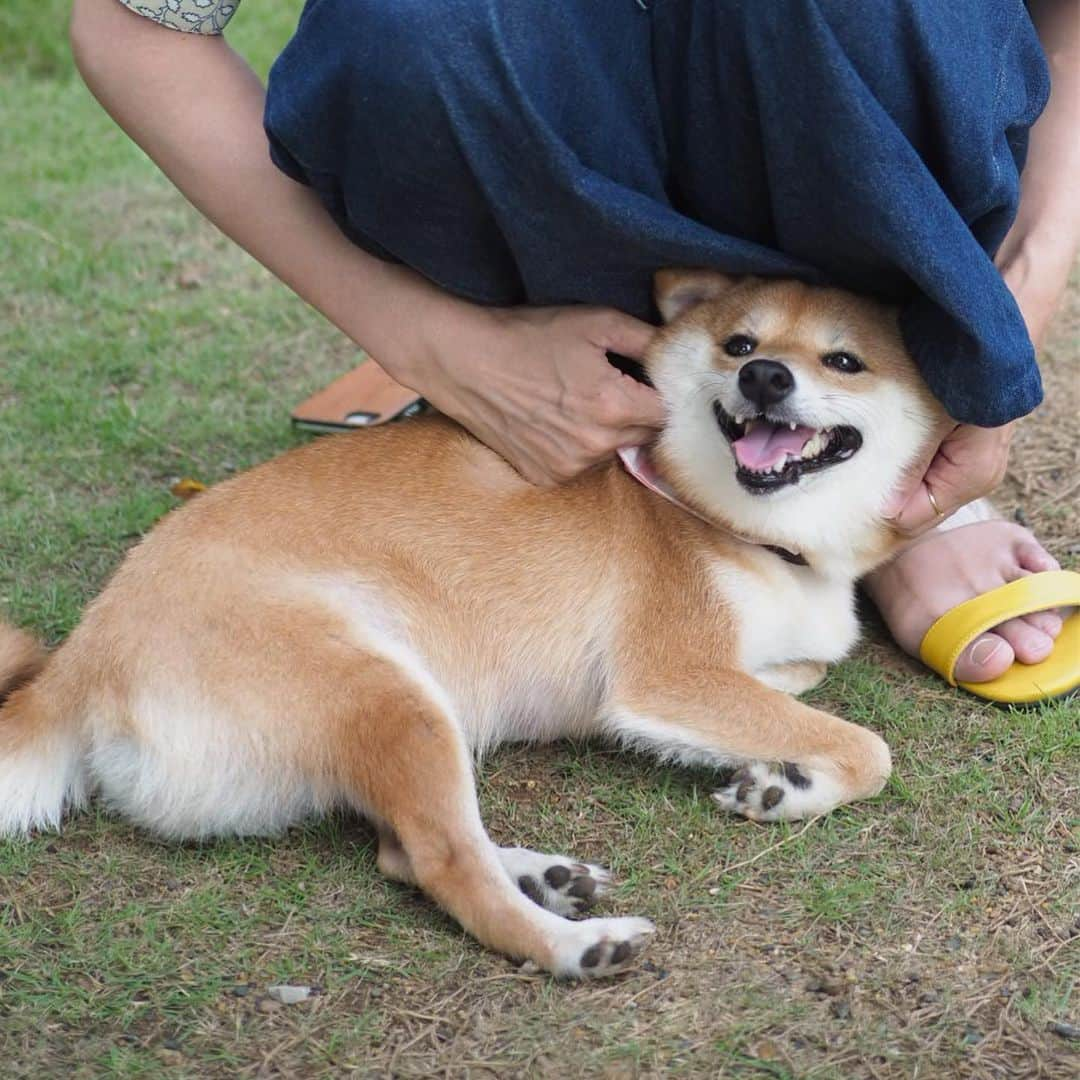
(41, 748)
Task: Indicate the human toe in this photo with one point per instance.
(1032, 556)
(1046, 622)
(987, 657)
(1029, 644)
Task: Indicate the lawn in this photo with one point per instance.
(931, 932)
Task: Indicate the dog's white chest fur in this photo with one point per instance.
(787, 613)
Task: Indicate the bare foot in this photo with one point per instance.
(946, 567)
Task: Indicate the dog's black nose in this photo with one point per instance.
(765, 382)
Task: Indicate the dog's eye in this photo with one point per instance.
(740, 345)
(846, 362)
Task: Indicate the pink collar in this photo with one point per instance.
(638, 462)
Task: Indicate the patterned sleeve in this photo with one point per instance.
(191, 16)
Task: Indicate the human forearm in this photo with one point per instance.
(195, 107)
(1040, 249)
(534, 385)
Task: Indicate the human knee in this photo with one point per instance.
(395, 41)
(379, 69)
(889, 37)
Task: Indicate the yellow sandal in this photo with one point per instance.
(1056, 676)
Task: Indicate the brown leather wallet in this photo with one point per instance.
(363, 397)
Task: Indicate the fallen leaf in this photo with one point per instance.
(187, 488)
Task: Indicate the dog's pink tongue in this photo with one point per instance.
(766, 445)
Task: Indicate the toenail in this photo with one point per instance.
(1042, 645)
(985, 650)
(1048, 622)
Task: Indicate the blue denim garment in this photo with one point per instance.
(557, 151)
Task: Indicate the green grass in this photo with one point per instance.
(138, 346)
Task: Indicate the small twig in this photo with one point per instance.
(407, 1046)
(30, 227)
(1057, 498)
(772, 847)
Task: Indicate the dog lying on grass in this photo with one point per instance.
(346, 625)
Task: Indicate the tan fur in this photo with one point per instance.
(348, 623)
(21, 658)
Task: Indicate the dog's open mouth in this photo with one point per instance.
(771, 454)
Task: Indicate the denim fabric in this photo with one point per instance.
(517, 151)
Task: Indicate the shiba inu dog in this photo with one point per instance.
(349, 624)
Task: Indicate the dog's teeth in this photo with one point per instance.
(792, 425)
(813, 445)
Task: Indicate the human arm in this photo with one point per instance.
(534, 384)
(1035, 260)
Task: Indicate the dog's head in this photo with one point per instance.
(793, 410)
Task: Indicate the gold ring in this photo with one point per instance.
(933, 502)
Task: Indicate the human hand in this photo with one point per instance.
(534, 384)
(1037, 276)
(969, 462)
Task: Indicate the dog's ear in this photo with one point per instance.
(677, 291)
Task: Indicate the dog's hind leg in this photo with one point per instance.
(793, 678)
(391, 859)
(778, 757)
(402, 760)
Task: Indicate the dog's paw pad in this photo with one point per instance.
(765, 792)
(556, 882)
(771, 797)
(794, 775)
(531, 888)
(573, 888)
(618, 945)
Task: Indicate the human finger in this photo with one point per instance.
(633, 404)
(635, 436)
(922, 511)
(968, 463)
(621, 333)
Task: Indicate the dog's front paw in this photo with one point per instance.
(597, 948)
(777, 791)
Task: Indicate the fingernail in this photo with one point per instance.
(985, 650)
